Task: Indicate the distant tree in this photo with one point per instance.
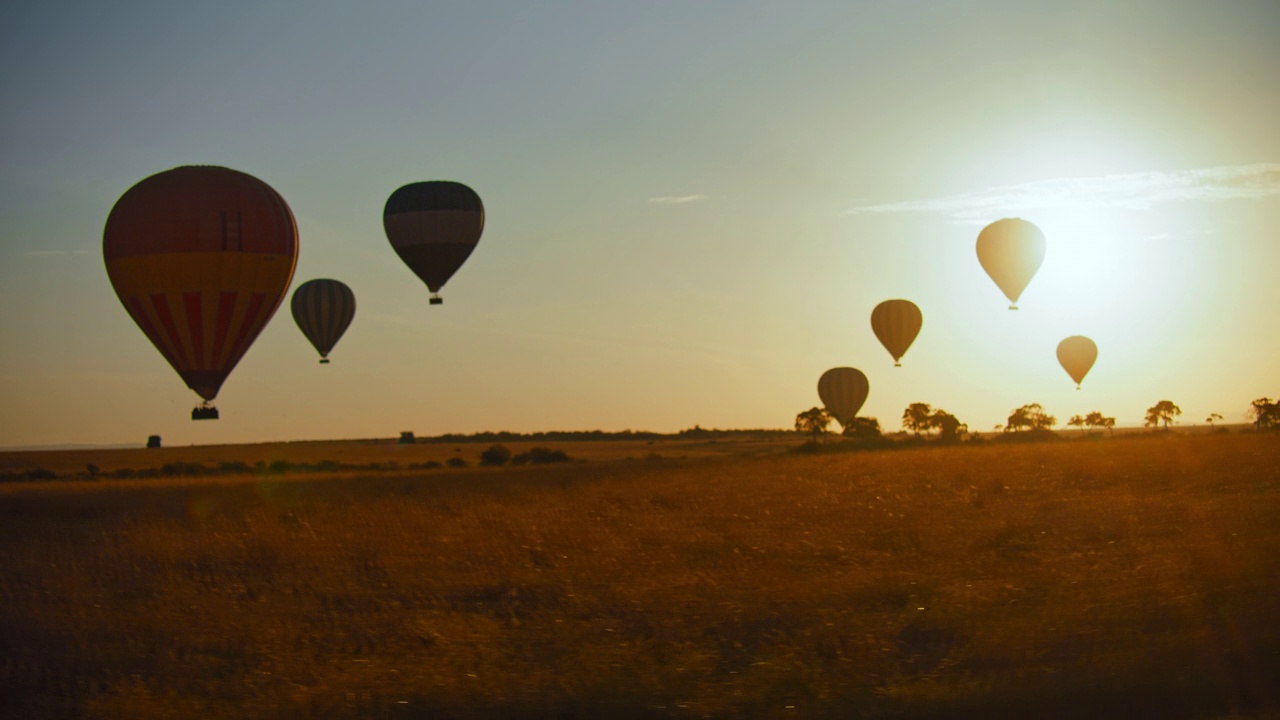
(863, 428)
(455, 462)
(1162, 412)
(1213, 417)
(1077, 421)
(496, 455)
(406, 438)
(1265, 414)
(999, 427)
(1030, 417)
(918, 417)
(1096, 419)
(813, 421)
(950, 429)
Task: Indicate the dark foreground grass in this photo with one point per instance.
(1122, 579)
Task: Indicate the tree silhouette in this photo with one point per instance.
(1162, 412)
(863, 428)
(1077, 421)
(813, 421)
(918, 417)
(1265, 414)
(1213, 417)
(1029, 417)
(950, 428)
(1096, 419)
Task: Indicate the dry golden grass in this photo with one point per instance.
(1115, 578)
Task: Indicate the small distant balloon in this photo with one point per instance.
(843, 390)
(323, 310)
(1077, 354)
(433, 227)
(201, 257)
(1011, 251)
(896, 323)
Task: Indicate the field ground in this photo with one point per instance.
(1118, 578)
(68, 463)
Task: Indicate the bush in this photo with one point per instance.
(41, 474)
(495, 455)
(456, 462)
(540, 456)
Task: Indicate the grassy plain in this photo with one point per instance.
(1118, 578)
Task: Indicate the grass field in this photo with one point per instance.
(1117, 578)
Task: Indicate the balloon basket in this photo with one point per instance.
(437, 301)
(1013, 307)
(204, 412)
(897, 364)
(324, 361)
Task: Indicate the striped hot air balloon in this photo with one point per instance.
(1011, 251)
(1076, 355)
(433, 227)
(896, 323)
(201, 257)
(323, 310)
(843, 390)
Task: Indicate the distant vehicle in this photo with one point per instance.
(843, 390)
(1011, 251)
(1076, 355)
(433, 227)
(323, 310)
(201, 257)
(896, 323)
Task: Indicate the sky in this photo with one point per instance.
(691, 207)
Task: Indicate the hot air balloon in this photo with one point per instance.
(201, 257)
(1076, 355)
(896, 323)
(433, 227)
(1011, 251)
(323, 310)
(843, 390)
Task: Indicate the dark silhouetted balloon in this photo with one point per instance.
(433, 227)
(1076, 354)
(843, 390)
(201, 257)
(323, 310)
(896, 323)
(1011, 251)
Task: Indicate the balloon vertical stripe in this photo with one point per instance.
(226, 309)
(195, 326)
(161, 305)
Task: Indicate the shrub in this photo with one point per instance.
(495, 455)
(40, 474)
(456, 462)
(540, 456)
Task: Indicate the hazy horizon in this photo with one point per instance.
(691, 210)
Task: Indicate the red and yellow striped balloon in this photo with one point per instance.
(201, 257)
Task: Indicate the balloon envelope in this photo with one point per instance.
(1076, 354)
(896, 323)
(323, 310)
(1011, 251)
(843, 390)
(433, 227)
(201, 257)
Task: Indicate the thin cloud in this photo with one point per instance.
(677, 199)
(1132, 191)
(54, 253)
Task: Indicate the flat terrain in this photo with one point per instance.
(1134, 577)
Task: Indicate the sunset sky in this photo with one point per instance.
(692, 207)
